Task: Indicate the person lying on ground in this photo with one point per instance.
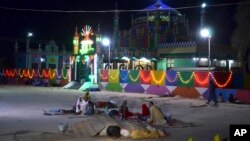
(156, 115)
(116, 132)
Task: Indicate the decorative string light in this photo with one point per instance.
(226, 83)
(160, 80)
(57, 74)
(12, 73)
(20, 73)
(113, 75)
(201, 82)
(185, 81)
(31, 73)
(45, 74)
(122, 74)
(52, 73)
(40, 75)
(173, 80)
(67, 74)
(144, 78)
(36, 74)
(104, 76)
(26, 73)
(132, 79)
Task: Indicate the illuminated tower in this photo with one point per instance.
(76, 42)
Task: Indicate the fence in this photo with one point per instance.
(192, 84)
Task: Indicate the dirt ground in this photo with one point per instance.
(22, 119)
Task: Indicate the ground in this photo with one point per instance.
(22, 119)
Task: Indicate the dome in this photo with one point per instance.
(161, 6)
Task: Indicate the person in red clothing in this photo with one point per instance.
(145, 113)
(124, 112)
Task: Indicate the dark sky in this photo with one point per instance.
(61, 26)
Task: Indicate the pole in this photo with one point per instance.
(109, 57)
(209, 53)
(27, 51)
(75, 70)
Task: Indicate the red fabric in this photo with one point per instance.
(127, 113)
(101, 104)
(145, 110)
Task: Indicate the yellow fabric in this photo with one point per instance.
(158, 78)
(141, 134)
(114, 76)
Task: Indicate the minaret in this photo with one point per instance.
(76, 42)
(40, 55)
(157, 25)
(116, 28)
(203, 11)
(98, 40)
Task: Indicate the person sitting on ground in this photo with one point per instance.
(156, 115)
(220, 98)
(145, 113)
(87, 96)
(232, 99)
(81, 105)
(90, 108)
(124, 112)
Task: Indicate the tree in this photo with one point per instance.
(241, 36)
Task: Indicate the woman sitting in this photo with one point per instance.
(124, 112)
(156, 115)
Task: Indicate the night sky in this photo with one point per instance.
(61, 26)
